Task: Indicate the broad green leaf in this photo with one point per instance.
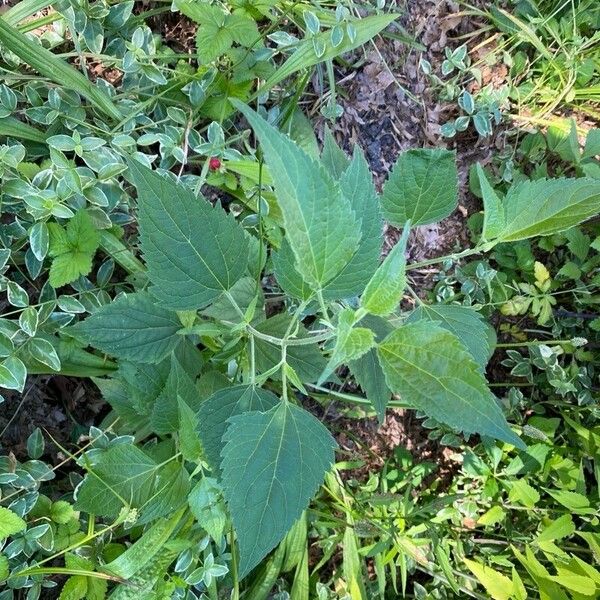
(144, 383)
(384, 291)
(210, 382)
(125, 475)
(576, 503)
(194, 251)
(223, 404)
(532, 461)
(548, 206)
(493, 210)
(560, 528)
(213, 38)
(75, 588)
(72, 248)
(433, 372)
(284, 265)
(307, 361)
(246, 293)
(333, 158)
(422, 187)
(357, 185)
(592, 144)
(171, 487)
(179, 386)
(494, 515)
(314, 209)
(562, 139)
(350, 344)
(207, 505)
(218, 29)
(300, 129)
(523, 493)
(498, 586)
(464, 322)
(4, 568)
(547, 589)
(367, 369)
(273, 463)
(132, 327)
(10, 523)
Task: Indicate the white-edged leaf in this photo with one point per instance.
(13, 374)
(43, 351)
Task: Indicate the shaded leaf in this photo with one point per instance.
(132, 327)
(368, 372)
(464, 322)
(307, 361)
(215, 411)
(273, 463)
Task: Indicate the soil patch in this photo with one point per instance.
(62, 407)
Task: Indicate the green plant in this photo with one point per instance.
(64, 140)
(204, 310)
(554, 54)
(483, 112)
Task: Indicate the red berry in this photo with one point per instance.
(214, 164)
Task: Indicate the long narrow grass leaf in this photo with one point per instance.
(305, 55)
(26, 8)
(11, 127)
(48, 65)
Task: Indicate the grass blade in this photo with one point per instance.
(305, 55)
(45, 63)
(24, 9)
(11, 127)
